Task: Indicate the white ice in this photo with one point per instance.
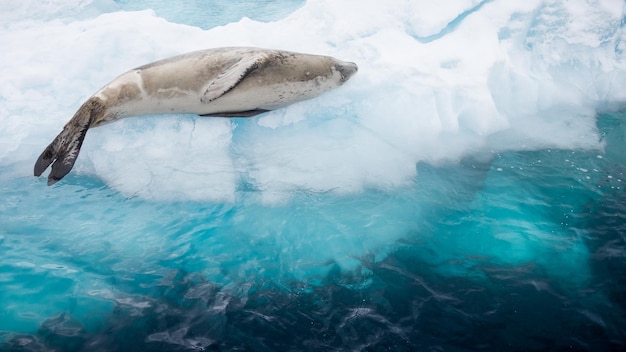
(435, 83)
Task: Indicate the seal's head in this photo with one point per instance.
(346, 69)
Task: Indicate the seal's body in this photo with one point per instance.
(227, 82)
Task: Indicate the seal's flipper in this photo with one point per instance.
(61, 153)
(66, 158)
(231, 76)
(64, 149)
(248, 113)
(45, 159)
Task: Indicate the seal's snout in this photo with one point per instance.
(346, 69)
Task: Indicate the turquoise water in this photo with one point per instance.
(207, 14)
(517, 249)
(502, 248)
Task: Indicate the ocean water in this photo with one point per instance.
(464, 191)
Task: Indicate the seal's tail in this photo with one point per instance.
(61, 153)
(64, 149)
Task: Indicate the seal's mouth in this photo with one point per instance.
(346, 69)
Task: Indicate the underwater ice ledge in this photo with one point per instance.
(286, 191)
(472, 238)
(154, 241)
(230, 187)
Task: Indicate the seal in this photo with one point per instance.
(222, 82)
